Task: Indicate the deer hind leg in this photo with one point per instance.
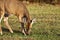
(22, 25)
(6, 22)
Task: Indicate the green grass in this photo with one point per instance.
(46, 27)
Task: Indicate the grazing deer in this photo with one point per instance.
(17, 8)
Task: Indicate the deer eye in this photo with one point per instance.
(30, 21)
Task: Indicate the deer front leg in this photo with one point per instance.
(7, 24)
(0, 25)
(1, 17)
(0, 30)
(22, 25)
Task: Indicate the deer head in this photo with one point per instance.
(29, 26)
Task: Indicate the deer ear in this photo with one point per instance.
(33, 21)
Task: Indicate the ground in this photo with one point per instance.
(46, 27)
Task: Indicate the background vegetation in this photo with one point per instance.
(53, 2)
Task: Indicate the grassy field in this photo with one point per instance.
(46, 27)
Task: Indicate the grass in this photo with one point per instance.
(46, 27)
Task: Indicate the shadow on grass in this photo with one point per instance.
(7, 30)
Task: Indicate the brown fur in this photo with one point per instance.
(17, 8)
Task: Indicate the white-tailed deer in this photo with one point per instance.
(17, 8)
